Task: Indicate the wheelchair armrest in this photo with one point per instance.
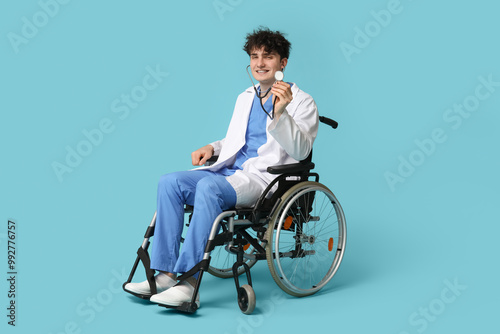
(211, 161)
(298, 167)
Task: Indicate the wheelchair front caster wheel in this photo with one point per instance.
(246, 299)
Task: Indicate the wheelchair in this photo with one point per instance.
(300, 230)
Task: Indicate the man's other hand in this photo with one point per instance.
(201, 155)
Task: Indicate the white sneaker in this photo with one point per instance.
(142, 289)
(175, 296)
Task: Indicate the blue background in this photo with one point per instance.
(76, 235)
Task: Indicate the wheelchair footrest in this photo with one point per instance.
(187, 307)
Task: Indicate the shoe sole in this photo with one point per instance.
(143, 295)
(171, 305)
(137, 294)
(140, 295)
(175, 304)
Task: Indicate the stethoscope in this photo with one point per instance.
(278, 75)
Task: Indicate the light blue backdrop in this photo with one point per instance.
(415, 86)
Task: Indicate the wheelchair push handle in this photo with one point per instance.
(328, 121)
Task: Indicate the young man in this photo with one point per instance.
(253, 142)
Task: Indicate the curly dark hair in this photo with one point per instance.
(270, 40)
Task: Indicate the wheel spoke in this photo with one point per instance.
(315, 263)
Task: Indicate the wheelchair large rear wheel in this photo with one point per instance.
(306, 239)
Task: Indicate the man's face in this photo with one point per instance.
(264, 65)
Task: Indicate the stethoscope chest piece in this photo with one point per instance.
(279, 76)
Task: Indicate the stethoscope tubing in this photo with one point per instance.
(271, 116)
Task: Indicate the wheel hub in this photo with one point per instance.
(310, 239)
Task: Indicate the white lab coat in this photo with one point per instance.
(289, 140)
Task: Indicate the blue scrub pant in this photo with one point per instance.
(210, 194)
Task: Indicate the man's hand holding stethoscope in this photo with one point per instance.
(282, 93)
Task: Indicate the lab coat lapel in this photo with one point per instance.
(235, 137)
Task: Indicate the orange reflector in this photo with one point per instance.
(246, 246)
(288, 222)
(330, 244)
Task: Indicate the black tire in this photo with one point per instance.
(246, 299)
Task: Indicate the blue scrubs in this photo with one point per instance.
(255, 136)
(210, 194)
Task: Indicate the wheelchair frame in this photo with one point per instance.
(292, 178)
